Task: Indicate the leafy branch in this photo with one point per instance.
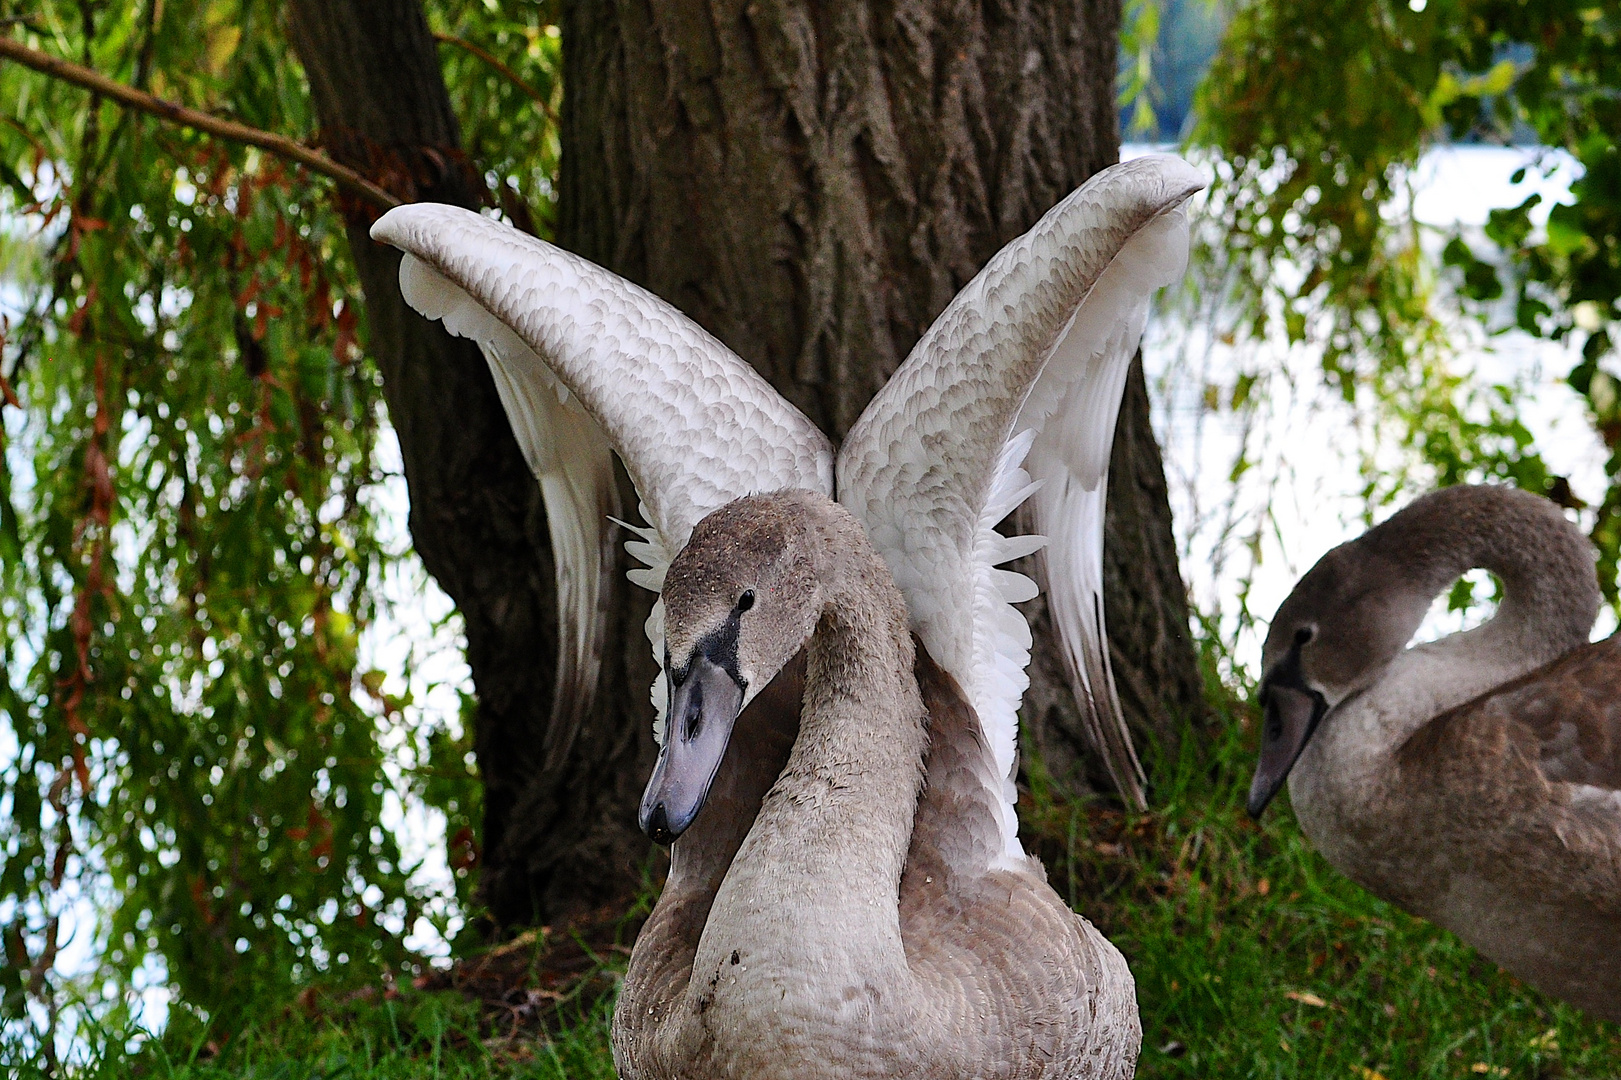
(502, 69)
(220, 128)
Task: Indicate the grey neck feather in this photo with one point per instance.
(1550, 595)
(817, 880)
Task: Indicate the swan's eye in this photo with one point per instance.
(745, 601)
(1305, 634)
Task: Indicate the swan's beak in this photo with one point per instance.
(704, 703)
(1292, 713)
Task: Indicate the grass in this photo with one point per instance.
(1253, 959)
(438, 1035)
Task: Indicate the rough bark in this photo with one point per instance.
(556, 837)
(814, 182)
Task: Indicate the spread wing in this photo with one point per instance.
(585, 361)
(1012, 393)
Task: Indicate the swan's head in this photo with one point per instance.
(1355, 611)
(1345, 620)
(739, 601)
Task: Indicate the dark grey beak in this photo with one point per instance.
(1292, 713)
(704, 703)
(1292, 709)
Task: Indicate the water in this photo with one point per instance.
(1245, 539)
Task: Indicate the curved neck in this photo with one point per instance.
(846, 798)
(852, 780)
(817, 880)
(1550, 594)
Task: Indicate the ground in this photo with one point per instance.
(1253, 958)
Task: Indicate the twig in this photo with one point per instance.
(8, 396)
(512, 76)
(229, 130)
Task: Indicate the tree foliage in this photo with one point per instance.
(1320, 114)
(189, 547)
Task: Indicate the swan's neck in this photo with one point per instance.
(1549, 600)
(815, 886)
(850, 789)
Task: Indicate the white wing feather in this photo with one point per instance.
(695, 425)
(1074, 406)
(1026, 364)
(569, 456)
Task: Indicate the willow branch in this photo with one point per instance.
(229, 130)
(511, 76)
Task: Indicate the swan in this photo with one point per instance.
(1475, 780)
(840, 659)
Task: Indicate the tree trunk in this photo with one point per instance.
(559, 789)
(813, 183)
(813, 186)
